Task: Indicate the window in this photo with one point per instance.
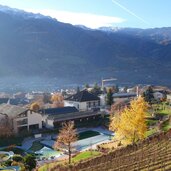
(23, 115)
(22, 122)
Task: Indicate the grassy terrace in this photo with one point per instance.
(81, 156)
(166, 126)
(85, 155)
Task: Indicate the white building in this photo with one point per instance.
(83, 101)
(158, 95)
(123, 96)
(20, 118)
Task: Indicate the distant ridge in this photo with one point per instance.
(34, 47)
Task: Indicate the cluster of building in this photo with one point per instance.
(79, 107)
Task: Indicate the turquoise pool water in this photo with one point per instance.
(47, 153)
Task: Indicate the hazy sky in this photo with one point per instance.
(97, 13)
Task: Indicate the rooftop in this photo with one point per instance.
(122, 95)
(83, 96)
(11, 110)
(57, 111)
(70, 116)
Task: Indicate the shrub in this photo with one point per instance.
(17, 158)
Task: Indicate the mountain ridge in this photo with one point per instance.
(46, 48)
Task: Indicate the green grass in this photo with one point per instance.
(87, 134)
(163, 109)
(81, 156)
(164, 112)
(151, 122)
(36, 146)
(151, 132)
(85, 155)
(166, 126)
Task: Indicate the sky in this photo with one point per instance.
(99, 13)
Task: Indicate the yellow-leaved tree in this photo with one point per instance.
(35, 106)
(129, 125)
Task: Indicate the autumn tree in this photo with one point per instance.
(5, 126)
(5, 131)
(66, 137)
(118, 107)
(130, 125)
(57, 100)
(35, 106)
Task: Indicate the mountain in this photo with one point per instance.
(36, 48)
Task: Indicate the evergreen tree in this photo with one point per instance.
(87, 86)
(148, 95)
(110, 97)
(78, 89)
(96, 90)
(30, 162)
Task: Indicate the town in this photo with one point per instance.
(85, 85)
(31, 122)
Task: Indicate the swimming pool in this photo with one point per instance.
(47, 153)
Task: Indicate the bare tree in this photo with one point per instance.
(66, 137)
(5, 126)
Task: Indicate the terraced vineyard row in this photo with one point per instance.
(151, 154)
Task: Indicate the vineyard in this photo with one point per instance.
(151, 154)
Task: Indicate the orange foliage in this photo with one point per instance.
(57, 100)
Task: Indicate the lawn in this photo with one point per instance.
(166, 126)
(36, 146)
(150, 132)
(85, 155)
(81, 156)
(87, 134)
(151, 122)
(163, 109)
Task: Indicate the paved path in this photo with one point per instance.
(28, 142)
(88, 143)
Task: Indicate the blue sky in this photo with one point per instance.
(97, 13)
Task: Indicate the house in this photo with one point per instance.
(168, 96)
(53, 112)
(54, 117)
(158, 95)
(20, 118)
(4, 100)
(83, 101)
(14, 101)
(123, 96)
